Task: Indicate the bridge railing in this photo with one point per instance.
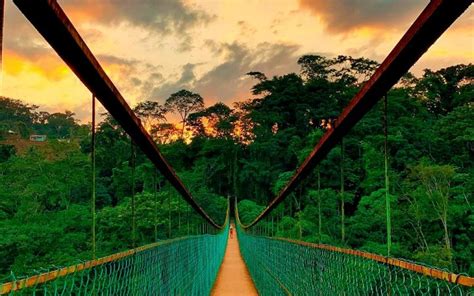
(186, 265)
(280, 266)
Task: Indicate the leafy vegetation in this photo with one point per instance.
(251, 151)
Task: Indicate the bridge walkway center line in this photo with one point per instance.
(233, 277)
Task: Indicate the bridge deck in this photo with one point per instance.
(233, 277)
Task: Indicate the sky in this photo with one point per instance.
(151, 49)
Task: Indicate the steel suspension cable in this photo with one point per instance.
(93, 201)
(319, 204)
(180, 266)
(280, 266)
(433, 21)
(187, 218)
(155, 195)
(54, 25)
(133, 164)
(343, 230)
(169, 215)
(387, 188)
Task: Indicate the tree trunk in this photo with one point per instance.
(446, 237)
(184, 127)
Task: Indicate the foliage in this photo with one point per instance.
(184, 102)
(250, 152)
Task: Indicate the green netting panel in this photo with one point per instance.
(280, 267)
(186, 266)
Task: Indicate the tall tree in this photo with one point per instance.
(436, 184)
(150, 113)
(257, 75)
(315, 66)
(62, 124)
(184, 103)
(215, 121)
(164, 133)
(447, 88)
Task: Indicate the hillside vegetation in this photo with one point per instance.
(250, 151)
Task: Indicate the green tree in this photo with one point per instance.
(150, 112)
(184, 103)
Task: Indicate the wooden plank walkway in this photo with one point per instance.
(233, 277)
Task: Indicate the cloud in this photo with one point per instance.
(20, 36)
(227, 81)
(346, 15)
(44, 65)
(246, 29)
(161, 89)
(463, 24)
(134, 78)
(368, 50)
(160, 16)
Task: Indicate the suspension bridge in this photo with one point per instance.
(252, 260)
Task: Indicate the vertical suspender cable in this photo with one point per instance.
(343, 231)
(319, 204)
(169, 215)
(155, 193)
(387, 195)
(178, 209)
(93, 201)
(187, 217)
(273, 231)
(133, 159)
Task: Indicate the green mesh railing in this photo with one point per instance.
(182, 266)
(281, 266)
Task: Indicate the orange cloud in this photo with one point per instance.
(162, 16)
(347, 15)
(45, 65)
(89, 11)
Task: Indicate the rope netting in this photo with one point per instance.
(187, 265)
(281, 266)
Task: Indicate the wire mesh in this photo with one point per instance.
(184, 266)
(284, 267)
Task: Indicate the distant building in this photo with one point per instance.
(38, 138)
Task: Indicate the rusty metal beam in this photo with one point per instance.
(54, 25)
(427, 28)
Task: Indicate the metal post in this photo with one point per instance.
(133, 159)
(387, 195)
(273, 232)
(169, 215)
(155, 193)
(343, 231)
(319, 204)
(187, 217)
(93, 202)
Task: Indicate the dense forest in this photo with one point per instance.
(250, 151)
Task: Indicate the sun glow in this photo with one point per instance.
(44, 65)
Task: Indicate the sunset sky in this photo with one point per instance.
(151, 49)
